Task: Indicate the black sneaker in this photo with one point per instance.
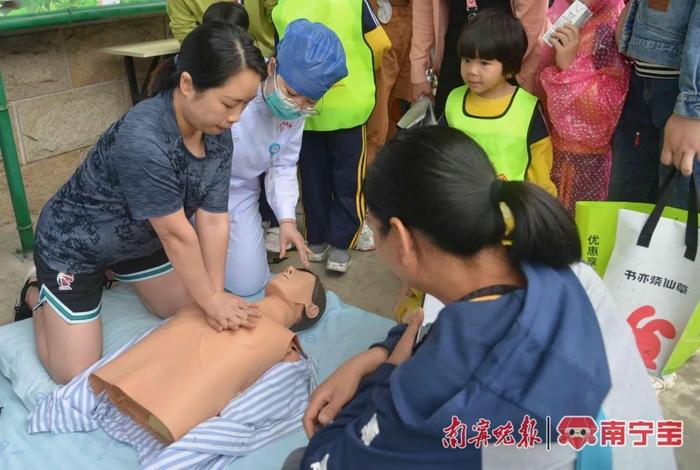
(22, 308)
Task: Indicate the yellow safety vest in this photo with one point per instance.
(349, 102)
(504, 137)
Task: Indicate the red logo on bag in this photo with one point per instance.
(64, 281)
(648, 343)
(577, 431)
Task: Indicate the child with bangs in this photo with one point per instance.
(504, 119)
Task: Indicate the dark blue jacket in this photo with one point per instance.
(536, 351)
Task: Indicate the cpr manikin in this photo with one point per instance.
(267, 140)
(186, 372)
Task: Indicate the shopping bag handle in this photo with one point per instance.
(429, 118)
(691, 226)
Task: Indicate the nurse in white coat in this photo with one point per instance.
(267, 139)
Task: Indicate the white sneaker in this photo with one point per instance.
(365, 241)
(663, 384)
(272, 240)
(318, 252)
(338, 260)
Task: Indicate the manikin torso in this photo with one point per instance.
(185, 372)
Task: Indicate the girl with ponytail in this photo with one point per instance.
(527, 333)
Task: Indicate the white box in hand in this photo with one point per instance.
(431, 308)
(577, 14)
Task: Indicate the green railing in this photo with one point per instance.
(48, 19)
(75, 15)
(13, 175)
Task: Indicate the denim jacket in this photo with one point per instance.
(669, 38)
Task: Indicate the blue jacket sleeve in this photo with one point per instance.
(392, 338)
(337, 443)
(688, 102)
(388, 423)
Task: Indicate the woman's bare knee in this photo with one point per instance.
(70, 347)
(65, 364)
(40, 338)
(164, 295)
(161, 306)
(62, 369)
(163, 310)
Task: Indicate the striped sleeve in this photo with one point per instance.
(72, 407)
(645, 69)
(269, 409)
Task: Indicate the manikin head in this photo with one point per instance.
(303, 291)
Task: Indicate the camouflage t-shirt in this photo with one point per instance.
(138, 169)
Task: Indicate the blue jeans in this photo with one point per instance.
(636, 171)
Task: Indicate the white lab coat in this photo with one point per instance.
(261, 144)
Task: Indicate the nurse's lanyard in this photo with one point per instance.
(472, 9)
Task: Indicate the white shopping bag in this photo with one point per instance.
(420, 114)
(654, 276)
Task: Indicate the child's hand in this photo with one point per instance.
(408, 300)
(421, 89)
(408, 316)
(289, 234)
(681, 143)
(404, 348)
(565, 41)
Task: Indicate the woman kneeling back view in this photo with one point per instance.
(528, 332)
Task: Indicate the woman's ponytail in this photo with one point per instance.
(211, 54)
(438, 180)
(164, 77)
(543, 231)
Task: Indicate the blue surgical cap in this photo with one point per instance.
(310, 58)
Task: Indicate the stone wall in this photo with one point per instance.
(63, 93)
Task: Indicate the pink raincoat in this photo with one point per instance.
(583, 104)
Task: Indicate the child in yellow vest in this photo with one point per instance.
(332, 159)
(504, 119)
(184, 15)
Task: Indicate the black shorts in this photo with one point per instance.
(77, 297)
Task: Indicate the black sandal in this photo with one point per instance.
(22, 308)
